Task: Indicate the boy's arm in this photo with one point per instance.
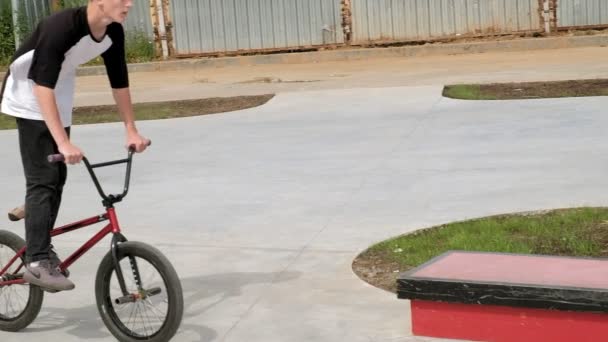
(48, 107)
(122, 97)
(51, 44)
(116, 67)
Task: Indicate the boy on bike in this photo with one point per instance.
(38, 91)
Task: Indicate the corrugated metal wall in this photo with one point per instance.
(139, 18)
(210, 26)
(215, 26)
(32, 11)
(582, 13)
(402, 20)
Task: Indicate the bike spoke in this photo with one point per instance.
(150, 278)
(21, 297)
(12, 307)
(155, 310)
(154, 315)
(6, 298)
(136, 312)
(6, 304)
(143, 319)
(131, 317)
(121, 308)
(143, 323)
(10, 310)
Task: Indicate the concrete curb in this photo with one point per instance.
(523, 44)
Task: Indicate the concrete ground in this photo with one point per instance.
(263, 210)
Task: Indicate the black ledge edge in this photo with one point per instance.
(500, 293)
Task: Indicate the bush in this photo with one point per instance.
(7, 37)
(23, 29)
(72, 3)
(25, 25)
(139, 47)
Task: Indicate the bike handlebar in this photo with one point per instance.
(56, 158)
(108, 200)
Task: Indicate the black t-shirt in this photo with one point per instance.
(50, 56)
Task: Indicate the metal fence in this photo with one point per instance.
(389, 20)
(31, 11)
(225, 26)
(582, 13)
(211, 26)
(139, 18)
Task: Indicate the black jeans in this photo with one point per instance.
(44, 185)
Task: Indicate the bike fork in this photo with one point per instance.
(116, 239)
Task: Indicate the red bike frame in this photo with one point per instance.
(111, 228)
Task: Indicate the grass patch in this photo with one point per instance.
(527, 90)
(565, 232)
(466, 92)
(158, 110)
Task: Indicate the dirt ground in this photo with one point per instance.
(572, 88)
(376, 269)
(496, 67)
(171, 109)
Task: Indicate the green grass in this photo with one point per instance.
(527, 90)
(158, 110)
(571, 232)
(7, 122)
(466, 92)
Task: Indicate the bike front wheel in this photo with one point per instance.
(152, 308)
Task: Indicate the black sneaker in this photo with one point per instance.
(41, 273)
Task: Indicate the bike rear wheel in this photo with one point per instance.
(19, 303)
(152, 309)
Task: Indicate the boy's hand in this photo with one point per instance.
(70, 152)
(139, 142)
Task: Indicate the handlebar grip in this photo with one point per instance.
(132, 147)
(55, 158)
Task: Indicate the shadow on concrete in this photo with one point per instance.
(85, 322)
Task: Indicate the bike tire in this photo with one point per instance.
(107, 307)
(35, 296)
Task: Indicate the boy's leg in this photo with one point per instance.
(18, 214)
(44, 186)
